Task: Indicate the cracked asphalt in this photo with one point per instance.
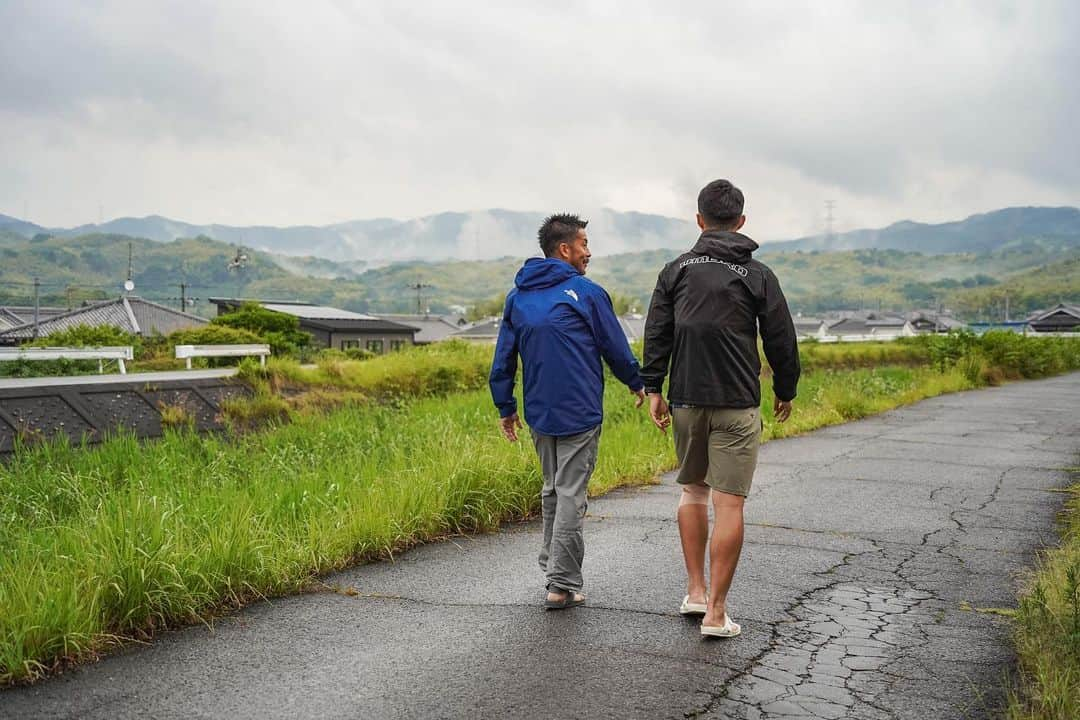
(874, 551)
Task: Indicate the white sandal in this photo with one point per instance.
(728, 629)
(689, 608)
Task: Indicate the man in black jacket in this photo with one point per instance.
(704, 318)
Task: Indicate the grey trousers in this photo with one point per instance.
(567, 463)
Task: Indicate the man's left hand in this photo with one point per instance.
(640, 395)
(781, 409)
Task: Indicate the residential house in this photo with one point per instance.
(130, 314)
(1060, 318)
(486, 332)
(430, 328)
(870, 326)
(926, 322)
(807, 328)
(333, 327)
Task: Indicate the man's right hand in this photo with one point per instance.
(781, 409)
(509, 426)
(658, 411)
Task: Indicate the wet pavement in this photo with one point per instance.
(877, 556)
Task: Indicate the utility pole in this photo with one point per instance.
(1006, 307)
(68, 291)
(129, 284)
(419, 288)
(183, 297)
(37, 286)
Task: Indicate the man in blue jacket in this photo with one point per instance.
(561, 325)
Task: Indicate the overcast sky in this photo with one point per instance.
(316, 112)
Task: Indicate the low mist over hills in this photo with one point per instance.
(484, 234)
(1029, 254)
(475, 235)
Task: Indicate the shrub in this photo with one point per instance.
(280, 330)
(213, 335)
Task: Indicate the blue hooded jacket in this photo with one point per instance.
(561, 324)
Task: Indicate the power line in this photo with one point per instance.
(830, 205)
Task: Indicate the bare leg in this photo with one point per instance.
(724, 550)
(694, 533)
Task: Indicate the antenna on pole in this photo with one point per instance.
(37, 286)
(129, 284)
(419, 288)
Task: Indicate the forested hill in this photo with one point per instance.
(1034, 271)
(983, 233)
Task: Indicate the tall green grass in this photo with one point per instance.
(122, 539)
(1047, 630)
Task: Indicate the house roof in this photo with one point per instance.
(633, 326)
(806, 323)
(866, 324)
(1063, 308)
(130, 314)
(941, 321)
(363, 324)
(430, 328)
(22, 314)
(487, 329)
(323, 317)
(316, 312)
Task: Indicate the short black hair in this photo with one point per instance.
(720, 204)
(559, 228)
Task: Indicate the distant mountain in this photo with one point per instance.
(19, 227)
(474, 235)
(987, 232)
(1034, 273)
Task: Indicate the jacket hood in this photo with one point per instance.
(539, 273)
(725, 245)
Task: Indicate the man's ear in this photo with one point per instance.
(562, 251)
(742, 221)
(701, 222)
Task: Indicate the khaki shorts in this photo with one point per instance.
(717, 446)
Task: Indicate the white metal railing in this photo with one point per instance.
(186, 352)
(119, 353)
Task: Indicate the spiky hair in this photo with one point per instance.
(557, 229)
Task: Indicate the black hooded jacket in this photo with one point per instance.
(704, 318)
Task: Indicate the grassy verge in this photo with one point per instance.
(1047, 628)
(118, 541)
(125, 538)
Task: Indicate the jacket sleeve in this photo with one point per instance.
(779, 339)
(659, 336)
(504, 365)
(612, 341)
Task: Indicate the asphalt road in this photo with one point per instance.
(867, 545)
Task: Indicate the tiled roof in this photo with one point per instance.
(1065, 308)
(130, 314)
(21, 314)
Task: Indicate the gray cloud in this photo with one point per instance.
(324, 111)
